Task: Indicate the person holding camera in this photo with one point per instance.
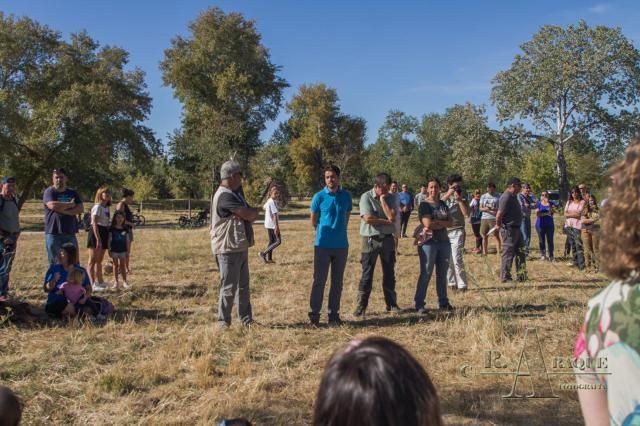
(458, 210)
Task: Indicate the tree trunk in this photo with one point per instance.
(561, 170)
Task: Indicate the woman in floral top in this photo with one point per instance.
(609, 341)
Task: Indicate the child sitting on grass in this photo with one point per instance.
(118, 243)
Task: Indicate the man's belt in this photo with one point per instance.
(380, 237)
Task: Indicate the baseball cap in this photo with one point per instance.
(8, 179)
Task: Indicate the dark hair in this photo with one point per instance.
(72, 253)
(116, 214)
(491, 184)
(10, 407)
(434, 179)
(375, 382)
(382, 179)
(620, 228)
(238, 421)
(332, 168)
(126, 192)
(395, 181)
(576, 190)
(453, 179)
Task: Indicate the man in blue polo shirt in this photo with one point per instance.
(330, 210)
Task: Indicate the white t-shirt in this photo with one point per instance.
(102, 213)
(270, 208)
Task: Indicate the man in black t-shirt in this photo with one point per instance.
(509, 219)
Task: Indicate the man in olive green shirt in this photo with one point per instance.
(376, 232)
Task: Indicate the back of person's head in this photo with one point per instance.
(10, 409)
(620, 228)
(375, 382)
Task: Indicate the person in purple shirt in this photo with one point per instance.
(61, 206)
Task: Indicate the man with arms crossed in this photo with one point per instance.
(231, 236)
(330, 210)
(61, 206)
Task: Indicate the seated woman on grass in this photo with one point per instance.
(57, 304)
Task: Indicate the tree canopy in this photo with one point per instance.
(228, 86)
(571, 82)
(68, 104)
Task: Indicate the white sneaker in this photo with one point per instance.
(98, 286)
(125, 285)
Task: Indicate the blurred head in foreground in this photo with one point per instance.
(375, 382)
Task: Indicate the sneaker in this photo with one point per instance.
(223, 325)
(359, 311)
(264, 257)
(98, 286)
(125, 285)
(251, 323)
(446, 307)
(395, 309)
(335, 322)
(314, 321)
(421, 311)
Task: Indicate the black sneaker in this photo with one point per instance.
(447, 307)
(359, 311)
(314, 320)
(395, 309)
(335, 322)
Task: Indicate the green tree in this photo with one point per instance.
(321, 134)
(142, 185)
(477, 153)
(396, 151)
(68, 104)
(228, 86)
(573, 81)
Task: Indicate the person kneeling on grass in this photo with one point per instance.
(375, 382)
(118, 242)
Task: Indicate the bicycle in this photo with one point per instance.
(138, 219)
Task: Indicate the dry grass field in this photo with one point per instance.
(161, 360)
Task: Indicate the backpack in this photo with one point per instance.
(105, 307)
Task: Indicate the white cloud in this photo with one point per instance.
(600, 8)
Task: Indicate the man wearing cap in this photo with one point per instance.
(508, 220)
(9, 232)
(527, 202)
(61, 206)
(231, 236)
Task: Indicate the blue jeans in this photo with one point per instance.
(53, 242)
(433, 253)
(546, 234)
(525, 229)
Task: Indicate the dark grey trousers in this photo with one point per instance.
(385, 248)
(234, 286)
(323, 258)
(512, 246)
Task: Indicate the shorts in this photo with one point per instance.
(486, 225)
(118, 255)
(103, 232)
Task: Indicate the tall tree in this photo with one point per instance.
(478, 153)
(573, 81)
(68, 104)
(228, 86)
(321, 134)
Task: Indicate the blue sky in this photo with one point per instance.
(415, 56)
